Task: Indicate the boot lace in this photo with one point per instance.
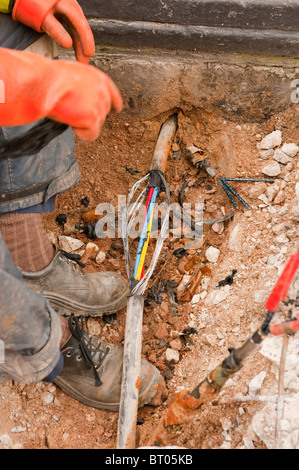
(73, 257)
(87, 348)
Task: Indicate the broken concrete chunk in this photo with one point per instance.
(271, 140)
(172, 356)
(272, 191)
(218, 227)
(212, 254)
(279, 198)
(256, 383)
(100, 258)
(272, 169)
(281, 240)
(290, 149)
(265, 154)
(281, 157)
(264, 199)
(69, 244)
(90, 252)
(221, 295)
(236, 239)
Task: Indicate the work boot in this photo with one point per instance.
(92, 372)
(70, 291)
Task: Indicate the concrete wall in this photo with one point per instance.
(239, 58)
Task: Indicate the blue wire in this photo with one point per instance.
(143, 236)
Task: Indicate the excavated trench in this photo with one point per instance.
(201, 300)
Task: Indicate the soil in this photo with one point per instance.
(41, 416)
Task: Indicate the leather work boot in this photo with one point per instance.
(92, 372)
(70, 291)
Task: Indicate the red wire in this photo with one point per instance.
(150, 195)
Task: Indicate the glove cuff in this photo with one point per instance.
(32, 13)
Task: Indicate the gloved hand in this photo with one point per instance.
(35, 87)
(48, 16)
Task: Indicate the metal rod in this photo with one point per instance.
(234, 192)
(250, 180)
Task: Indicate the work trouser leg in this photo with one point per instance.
(30, 330)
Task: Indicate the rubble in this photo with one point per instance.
(272, 169)
(212, 254)
(281, 157)
(290, 149)
(271, 140)
(100, 257)
(256, 242)
(69, 244)
(172, 356)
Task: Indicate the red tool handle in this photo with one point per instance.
(283, 284)
(288, 328)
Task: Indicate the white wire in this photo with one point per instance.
(127, 220)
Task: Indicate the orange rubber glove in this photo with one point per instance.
(48, 16)
(35, 87)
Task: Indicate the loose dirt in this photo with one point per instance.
(41, 416)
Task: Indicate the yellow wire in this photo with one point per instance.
(144, 249)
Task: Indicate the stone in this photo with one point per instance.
(248, 443)
(271, 140)
(161, 331)
(100, 258)
(272, 191)
(266, 154)
(226, 445)
(236, 239)
(264, 199)
(271, 349)
(69, 244)
(273, 260)
(6, 440)
(18, 429)
(290, 149)
(226, 424)
(281, 239)
(289, 167)
(172, 356)
(218, 227)
(47, 398)
(176, 344)
(93, 326)
(212, 254)
(281, 157)
(257, 189)
(272, 169)
(221, 295)
(256, 383)
(279, 198)
(210, 340)
(196, 298)
(92, 247)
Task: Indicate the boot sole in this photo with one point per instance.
(102, 405)
(67, 307)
